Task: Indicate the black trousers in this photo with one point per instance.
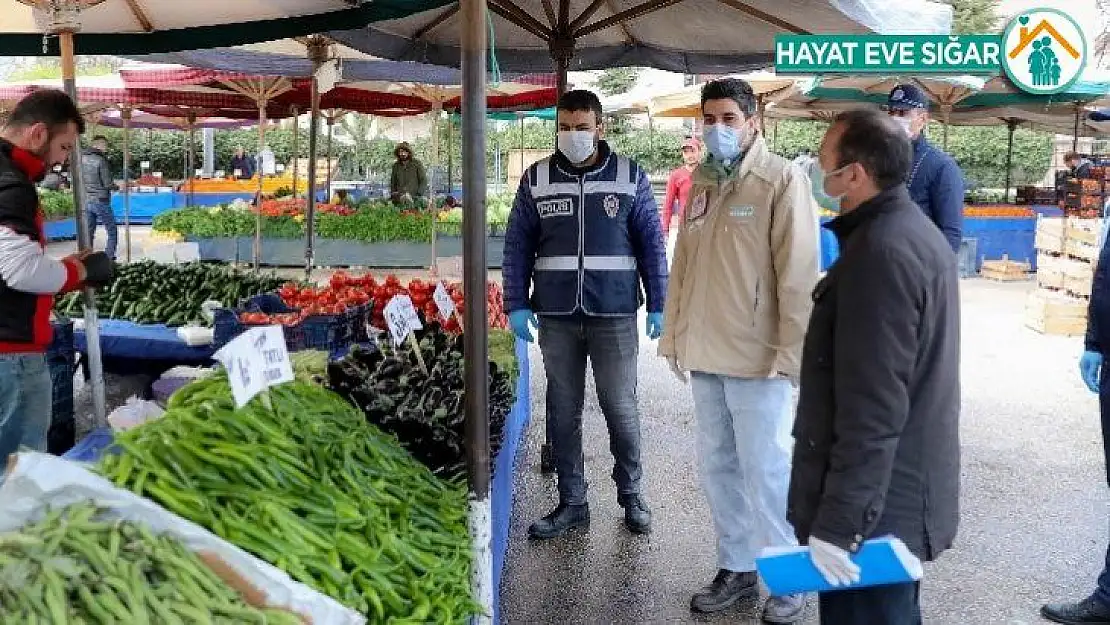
(895, 604)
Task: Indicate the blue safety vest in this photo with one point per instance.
(585, 260)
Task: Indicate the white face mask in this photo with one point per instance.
(905, 123)
(577, 145)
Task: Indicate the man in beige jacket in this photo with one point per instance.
(745, 265)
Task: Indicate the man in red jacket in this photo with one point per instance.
(678, 189)
(40, 133)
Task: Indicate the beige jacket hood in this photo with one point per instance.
(744, 268)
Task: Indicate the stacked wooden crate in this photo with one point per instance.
(1067, 250)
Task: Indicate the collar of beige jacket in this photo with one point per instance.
(754, 161)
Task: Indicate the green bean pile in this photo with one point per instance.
(75, 566)
(300, 479)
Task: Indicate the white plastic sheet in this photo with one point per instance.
(37, 481)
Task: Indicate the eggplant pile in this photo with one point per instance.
(424, 411)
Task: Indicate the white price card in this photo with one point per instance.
(280, 167)
(156, 174)
(144, 165)
(256, 360)
(199, 173)
(443, 300)
(401, 317)
(237, 173)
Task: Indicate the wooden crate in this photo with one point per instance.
(1005, 270)
(1064, 273)
(1049, 235)
(1083, 251)
(1084, 230)
(1050, 312)
(1050, 271)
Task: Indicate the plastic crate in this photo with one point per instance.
(61, 360)
(323, 332)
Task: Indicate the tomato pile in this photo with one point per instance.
(334, 299)
(293, 207)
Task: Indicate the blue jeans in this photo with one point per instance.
(26, 400)
(894, 604)
(102, 212)
(744, 448)
(611, 345)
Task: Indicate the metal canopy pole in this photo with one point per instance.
(310, 211)
(1011, 125)
(256, 252)
(84, 237)
(125, 115)
(476, 364)
(296, 148)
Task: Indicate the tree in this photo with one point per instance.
(617, 80)
(50, 67)
(974, 16)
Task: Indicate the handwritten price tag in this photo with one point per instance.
(444, 303)
(256, 360)
(401, 317)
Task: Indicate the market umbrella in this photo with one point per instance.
(47, 28)
(691, 36)
(686, 102)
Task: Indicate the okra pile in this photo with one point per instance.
(300, 479)
(78, 566)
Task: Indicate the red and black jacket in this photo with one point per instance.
(28, 277)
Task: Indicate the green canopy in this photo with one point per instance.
(510, 116)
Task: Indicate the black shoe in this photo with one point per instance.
(547, 460)
(561, 520)
(1085, 612)
(637, 516)
(726, 589)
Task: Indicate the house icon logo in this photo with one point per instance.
(1045, 51)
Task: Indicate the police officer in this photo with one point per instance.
(935, 181)
(1092, 367)
(583, 233)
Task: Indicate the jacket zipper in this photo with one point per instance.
(755, 307)
(581, 239)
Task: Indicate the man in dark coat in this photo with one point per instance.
(876, 447)
(1092, 367)
(934, 179)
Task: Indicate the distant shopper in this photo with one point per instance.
(40, 132)
(1095, 608)
(53, 180)
(408, 180)
(876, 437)
(96, 175)
(678, 189)
(1078, 167)
(243, 164)
(935, 181)
(737, 306)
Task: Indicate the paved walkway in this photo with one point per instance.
(1034, 522)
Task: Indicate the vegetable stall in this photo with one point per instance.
(368, 234)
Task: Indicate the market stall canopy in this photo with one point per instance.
(124, 27)
(944, 91)
(1059, 119)
(364, 96)
(691, 36)
(114, 118)
(686, 102)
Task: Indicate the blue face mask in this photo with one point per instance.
(817, 184)
(723, 142)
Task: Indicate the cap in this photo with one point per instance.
(905, 97)
(691, 142)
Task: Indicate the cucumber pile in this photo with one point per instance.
(75, 565)
(149, 292)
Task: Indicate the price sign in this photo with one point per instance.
(156, 174)
(238, 173)
(199, 173)
(401, 317)
(443, 300)
(256, 360)
(280, 167)
(144, 165)
(219, 173)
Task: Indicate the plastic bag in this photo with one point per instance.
(133, 413)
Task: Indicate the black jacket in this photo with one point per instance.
(876, 447)
(96, 175)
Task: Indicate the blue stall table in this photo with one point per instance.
(60, 230)
(144, 206)
(1002, 236)
(504, 471)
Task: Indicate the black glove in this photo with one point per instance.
(99, 269)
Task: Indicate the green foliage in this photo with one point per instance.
(56, 204)
(42, 68)
(974, 17)
(616, 80)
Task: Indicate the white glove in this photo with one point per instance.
(677, 370)
(834, 563)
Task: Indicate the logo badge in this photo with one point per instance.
(612, 206)
(697, 209)
(1044, 51)
(744, 211)
(555, 208)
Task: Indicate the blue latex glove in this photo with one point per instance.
(654, 325)
(1089, 366)
(519, 320)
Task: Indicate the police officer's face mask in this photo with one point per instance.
(577, 145)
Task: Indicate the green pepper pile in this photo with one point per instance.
(423, 410)
(149, 292)
(75, 565)
(300, 479)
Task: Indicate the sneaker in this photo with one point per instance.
(727, 588)
(561, 520)
(784, 610)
